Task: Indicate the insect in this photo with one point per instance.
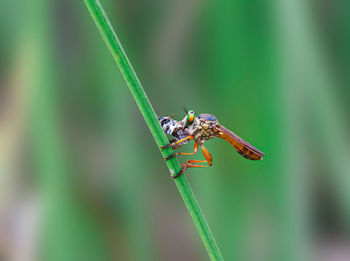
(200, 129)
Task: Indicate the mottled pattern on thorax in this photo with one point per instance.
(205, 126)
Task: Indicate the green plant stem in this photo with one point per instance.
(111, 39)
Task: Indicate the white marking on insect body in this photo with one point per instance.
(172, 172)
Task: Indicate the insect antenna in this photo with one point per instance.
(185, 110)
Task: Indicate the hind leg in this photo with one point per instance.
(190, 164)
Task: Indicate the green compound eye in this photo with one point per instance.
(190, 117)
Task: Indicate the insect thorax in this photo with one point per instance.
(205, 127)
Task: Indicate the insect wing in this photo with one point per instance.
(242, 147)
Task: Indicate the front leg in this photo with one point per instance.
(176, 143)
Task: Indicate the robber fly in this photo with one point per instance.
(200, 129)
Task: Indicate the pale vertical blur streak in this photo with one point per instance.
(295, 79)
(19, 207)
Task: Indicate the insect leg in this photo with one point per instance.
(191, 164)
(195, 150)
(172, 141)
(206, 154)
(176, 143)
(174, 147)
(177, 146)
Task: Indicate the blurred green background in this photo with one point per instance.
(81, 177)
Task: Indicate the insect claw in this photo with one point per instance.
(169, 157)
(178, 174)
(165, 146)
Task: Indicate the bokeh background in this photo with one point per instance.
(81, 177)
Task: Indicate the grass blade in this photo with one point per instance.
(111, 39)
